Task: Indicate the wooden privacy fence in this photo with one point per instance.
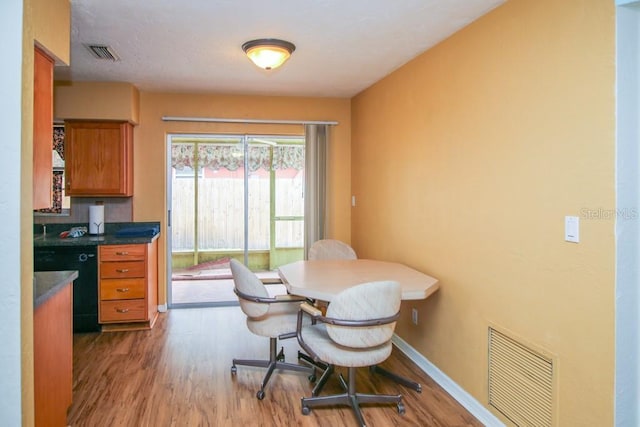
(220, 214)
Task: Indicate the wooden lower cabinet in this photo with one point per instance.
(128, 286)
(53, 359)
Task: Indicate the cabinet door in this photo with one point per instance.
(99, 158)
(42, 129)
(53, 358)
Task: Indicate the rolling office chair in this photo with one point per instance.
(326, 249)
(356, 332)
(273, 317)
(336, 249)
(319, 250)
(331, 249)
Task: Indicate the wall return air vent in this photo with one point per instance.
(520, 382)
(102, 51)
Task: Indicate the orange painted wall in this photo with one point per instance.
(51, 21)
(466, 161)
(47, 24)
(118, 101)
(150, 147)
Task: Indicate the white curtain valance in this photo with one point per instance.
(219, 156)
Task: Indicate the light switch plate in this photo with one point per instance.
(572, 229)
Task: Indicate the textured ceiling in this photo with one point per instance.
(342, 46)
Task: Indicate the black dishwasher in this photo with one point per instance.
(84, 259)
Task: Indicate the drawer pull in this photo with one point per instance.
(122, 253)
(122, 289)
(122, 310)
(122, 270)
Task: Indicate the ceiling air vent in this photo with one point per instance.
(102, 51)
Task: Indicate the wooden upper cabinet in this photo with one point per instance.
(42, 130)
(98, 158)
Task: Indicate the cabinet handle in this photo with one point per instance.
(122, 253)
(122, 270)
(122, 289)
(122, 310)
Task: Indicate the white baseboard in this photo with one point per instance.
(458, 393)
(162, 308)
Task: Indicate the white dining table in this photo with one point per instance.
(323, 279)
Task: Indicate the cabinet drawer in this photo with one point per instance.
(117, 270)
(119, 289)
(122, 252)
(123, 310)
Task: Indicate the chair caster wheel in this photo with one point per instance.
(260, 395)
(306, 410)
(312, 378)
(401, 409)
(234, 370)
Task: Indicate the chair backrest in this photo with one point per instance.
(367, 301)
(248, 283)
(331, 249)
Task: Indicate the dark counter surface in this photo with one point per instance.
(48, 283)
(52, 239)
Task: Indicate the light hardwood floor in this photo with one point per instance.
(178, 374)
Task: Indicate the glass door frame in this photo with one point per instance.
(245, 140)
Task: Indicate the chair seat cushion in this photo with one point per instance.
(280, 319)
(318, 340)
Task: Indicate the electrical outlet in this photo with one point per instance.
(414, 316)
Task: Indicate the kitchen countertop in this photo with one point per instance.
(52, 239)
(48, 283)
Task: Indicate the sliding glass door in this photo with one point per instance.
(231, 197)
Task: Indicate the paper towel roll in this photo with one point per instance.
(96, 219)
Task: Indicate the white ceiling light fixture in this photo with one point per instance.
(268, 54)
